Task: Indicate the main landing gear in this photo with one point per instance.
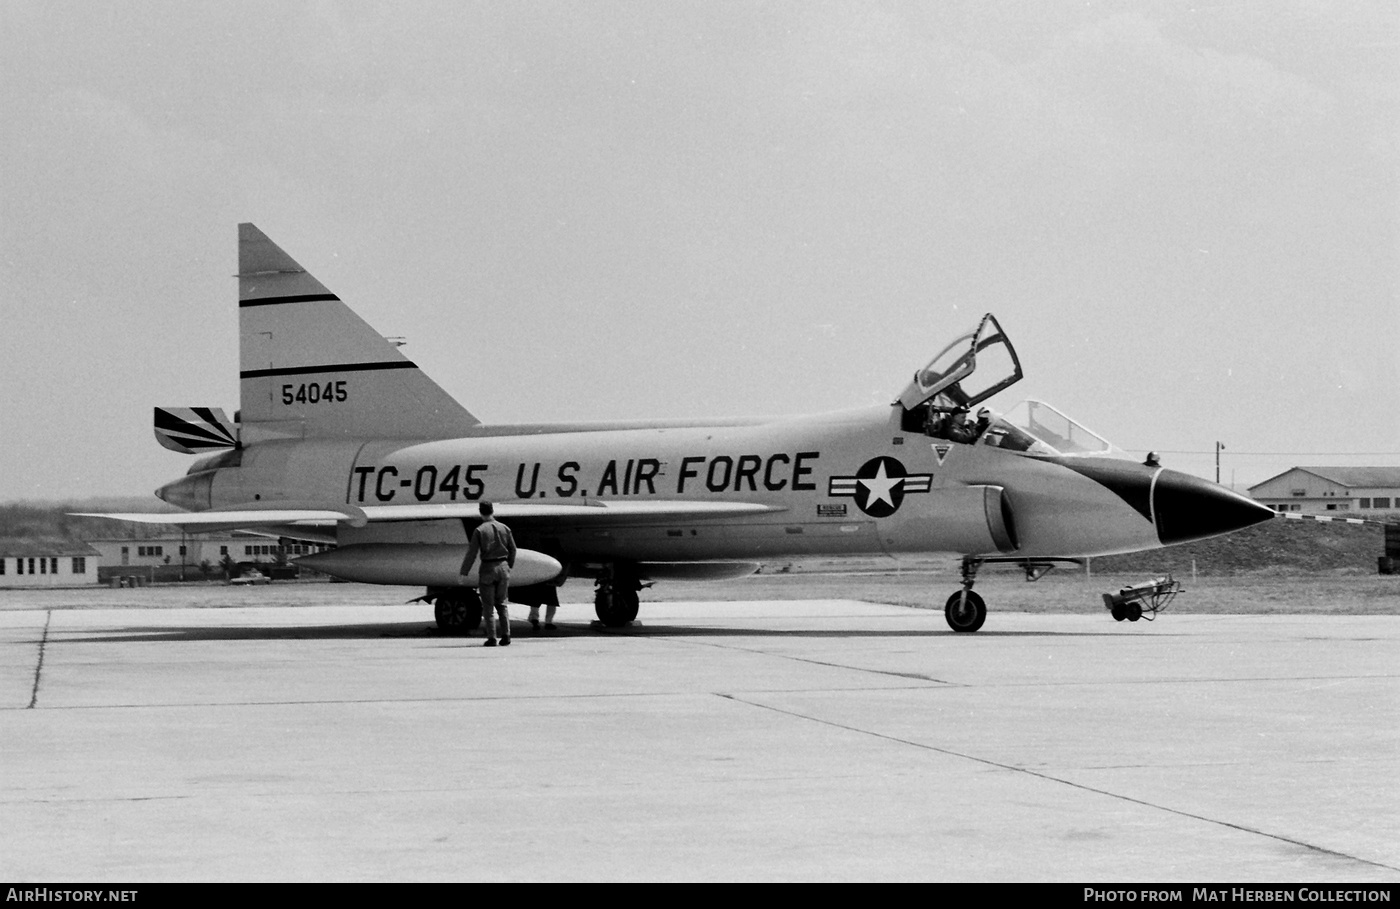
(616, 597)
(457, 609)
(966, 610)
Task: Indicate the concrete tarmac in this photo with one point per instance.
(823, 740)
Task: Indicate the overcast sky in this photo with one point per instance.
(1185, 216)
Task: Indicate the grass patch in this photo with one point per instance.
(1065, 591)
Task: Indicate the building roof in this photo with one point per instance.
(1351, 477)
(221, 536)
(12, 548)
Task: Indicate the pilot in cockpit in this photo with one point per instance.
(960, 428)
(942, 423)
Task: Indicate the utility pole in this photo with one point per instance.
(1219, 447)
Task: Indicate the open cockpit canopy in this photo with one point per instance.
(975, 366)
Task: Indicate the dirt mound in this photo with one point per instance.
(1275, 546)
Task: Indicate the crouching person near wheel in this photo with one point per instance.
(493, 541)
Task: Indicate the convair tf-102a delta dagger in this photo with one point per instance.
(340, 439)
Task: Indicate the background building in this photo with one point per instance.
(61, 563)
(1364, 491)
(172, 557)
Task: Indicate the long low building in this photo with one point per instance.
(1371, 491)
(174, 549)
(52, 563)
(165, 555)
(30, 562)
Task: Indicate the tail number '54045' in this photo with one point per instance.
(314, 393)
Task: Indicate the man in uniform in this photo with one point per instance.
(494, 542)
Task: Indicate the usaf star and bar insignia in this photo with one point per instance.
(879, 486)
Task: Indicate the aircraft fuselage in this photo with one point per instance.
(848, 483)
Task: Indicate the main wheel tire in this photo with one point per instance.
(458, 613)
(616, 607)
(630, 602)
(442, 611)
(1134, 611)
(1119, 614)
(965, 615)
(471, 610)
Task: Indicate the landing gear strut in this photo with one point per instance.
(966, 611)
(616, 599)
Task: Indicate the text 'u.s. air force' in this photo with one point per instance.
(618, 477)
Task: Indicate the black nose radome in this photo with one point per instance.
(1189, 508)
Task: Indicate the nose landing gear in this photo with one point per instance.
(965, 610)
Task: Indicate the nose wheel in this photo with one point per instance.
(966, 610)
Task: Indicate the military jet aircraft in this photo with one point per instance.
(341, 439)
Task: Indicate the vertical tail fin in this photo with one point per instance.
(311, 368)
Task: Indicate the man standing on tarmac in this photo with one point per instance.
(493, 540)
